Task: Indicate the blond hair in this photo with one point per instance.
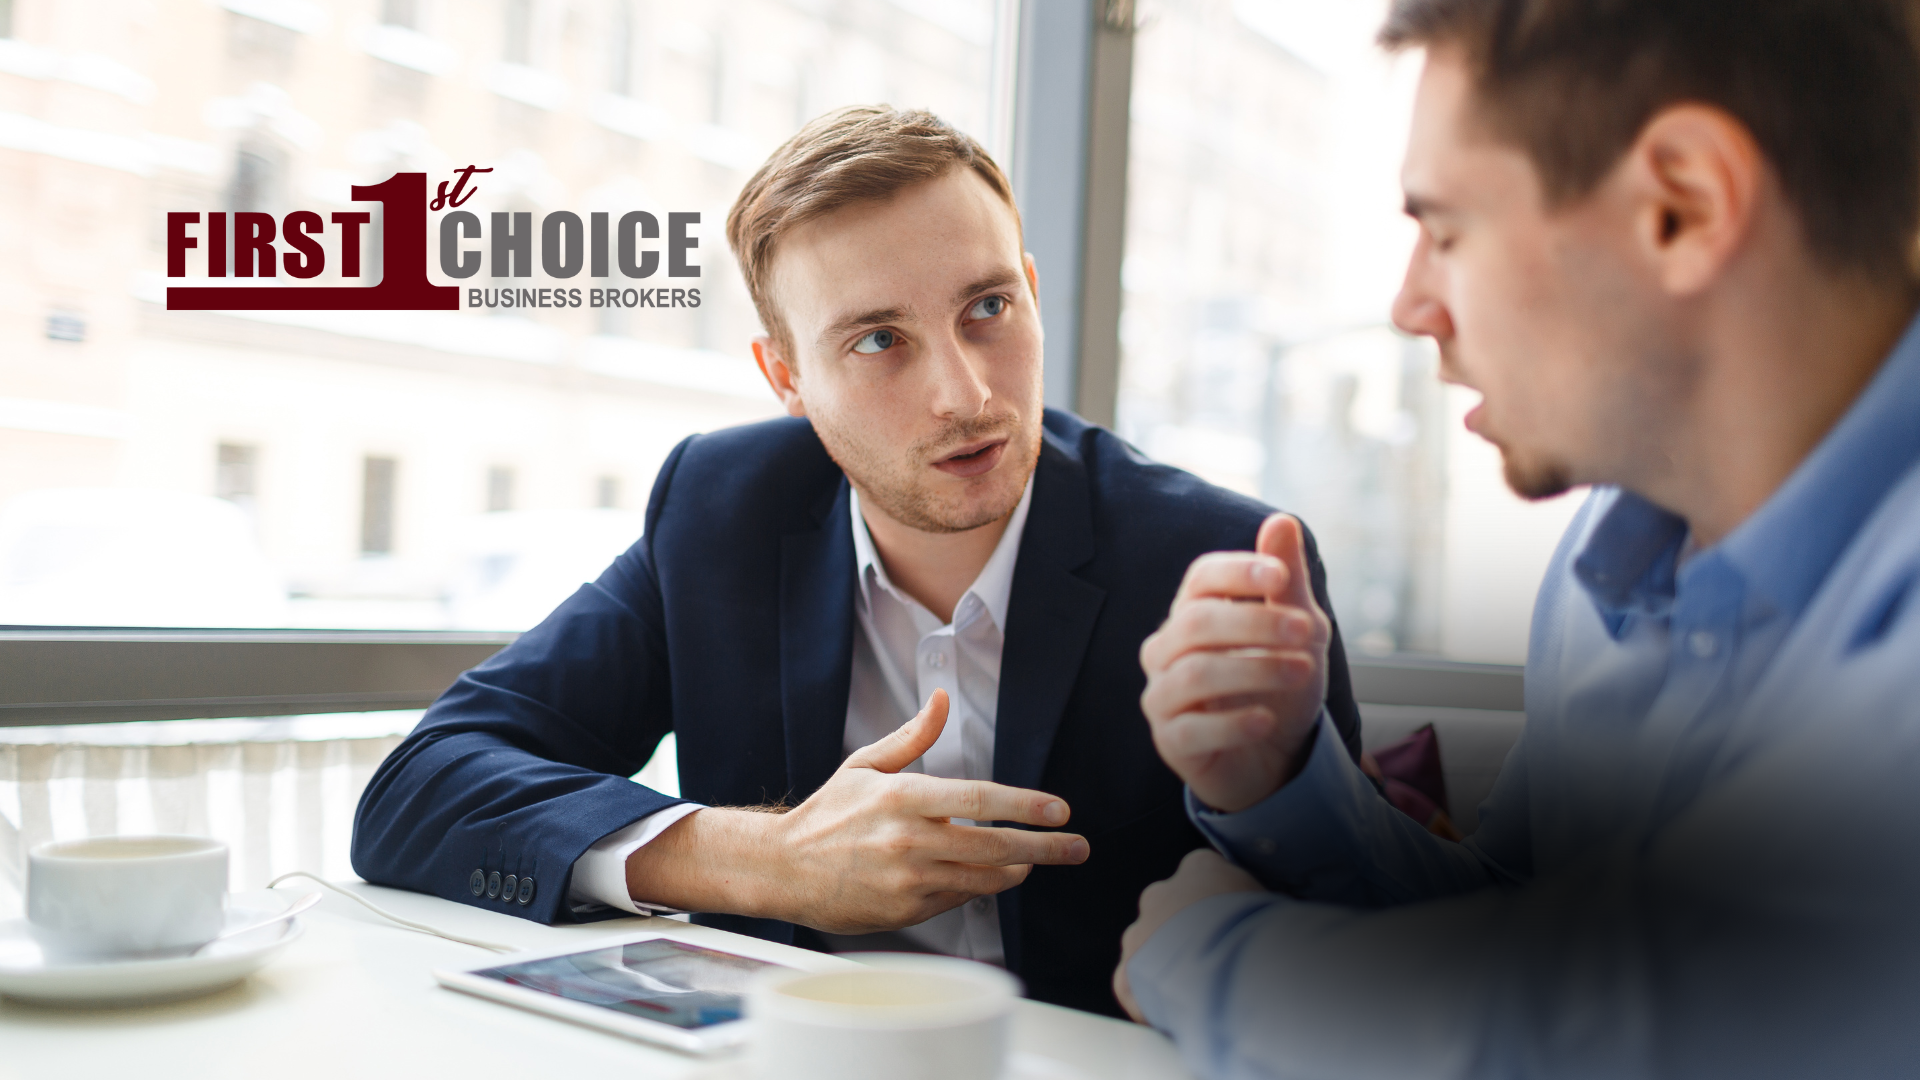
(857, 154)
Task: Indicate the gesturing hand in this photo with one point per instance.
(873, 849)
(1237, 674)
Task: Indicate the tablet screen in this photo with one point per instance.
(664, 981)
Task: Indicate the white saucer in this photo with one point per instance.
(25, 972)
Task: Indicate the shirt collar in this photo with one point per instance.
(1630, 561)
(993, 587)
(1786, 548)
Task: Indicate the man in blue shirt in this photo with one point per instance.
(1671, 243)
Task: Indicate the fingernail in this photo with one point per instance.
(1077, 851)
(1055, 813)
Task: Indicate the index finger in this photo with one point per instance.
(983, 800)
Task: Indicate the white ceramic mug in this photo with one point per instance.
(899, 1017)
(126, 897)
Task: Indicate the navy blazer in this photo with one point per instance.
(731, 622)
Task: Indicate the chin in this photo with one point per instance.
(948, 506)
(1536, 479)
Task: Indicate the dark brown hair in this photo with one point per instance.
(856, 154)
(1830, 90)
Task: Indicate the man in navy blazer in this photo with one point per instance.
(918, 531)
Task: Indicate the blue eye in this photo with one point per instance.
(988, 308)
(878, 341)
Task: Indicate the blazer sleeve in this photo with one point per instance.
(1342, 709)
(523, 763)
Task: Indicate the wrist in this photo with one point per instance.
(1261, 774)
(714, 859)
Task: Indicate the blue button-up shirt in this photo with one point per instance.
(1701, 859)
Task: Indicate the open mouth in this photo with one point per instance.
(973, 459)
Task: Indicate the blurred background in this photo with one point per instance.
(466, 471)
(433, 470)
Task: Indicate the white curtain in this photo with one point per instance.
(281, 792)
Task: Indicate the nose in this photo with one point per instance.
(959, 389)
(1418, 309)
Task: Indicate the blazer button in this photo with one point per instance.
(526, 891)
(477, 884)
(507, 885)
(493, 884)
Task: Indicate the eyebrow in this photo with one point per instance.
(851, 323)
(880, 316)
(997, 280)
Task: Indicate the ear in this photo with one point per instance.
(1033, 277)
(779, 375)
(1696, 176)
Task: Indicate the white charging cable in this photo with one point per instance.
(390, 916)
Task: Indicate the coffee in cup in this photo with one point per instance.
(126, 897)
(897, 1017)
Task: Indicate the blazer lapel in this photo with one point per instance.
(1049, 622)
(816, 644)
(1049, 619)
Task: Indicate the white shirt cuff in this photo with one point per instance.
(600, 875)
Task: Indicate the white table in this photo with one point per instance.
(354, 999)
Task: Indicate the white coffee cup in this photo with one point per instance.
(126, 897)
(899, 1017)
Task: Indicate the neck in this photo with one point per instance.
(933, 568)
(1780, 367)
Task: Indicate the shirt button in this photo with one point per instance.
(981, 905)
(936, 660)
(1703, 644)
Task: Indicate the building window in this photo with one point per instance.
(620, 49)
(499, 489)
(607, 493)
(66, 326)
(379, 479)
(404, 13)
(519, 28)
(256, 177)
(234, 475)
(6, 18)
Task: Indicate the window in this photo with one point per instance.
(233, 474)
(401, 13)
(1264, 246)
(6, 18)
(66, 326)
(374, 432)
(499, 489)
(378, 478)
(256, 177)
(519, 32)
(620, 49)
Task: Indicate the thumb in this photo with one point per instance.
(907, 742)
(1283, 537)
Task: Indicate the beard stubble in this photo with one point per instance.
(898, 490)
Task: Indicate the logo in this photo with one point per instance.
(247, 245)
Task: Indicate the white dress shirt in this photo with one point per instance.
(902, 653)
